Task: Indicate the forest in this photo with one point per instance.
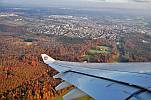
(22, 71)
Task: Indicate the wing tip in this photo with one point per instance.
(47, 59)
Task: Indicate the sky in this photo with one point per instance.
(136, 4)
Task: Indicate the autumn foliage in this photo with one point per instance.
(23, 75)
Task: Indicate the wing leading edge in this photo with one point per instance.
(106, 81)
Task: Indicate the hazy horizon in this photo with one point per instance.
(130, 4)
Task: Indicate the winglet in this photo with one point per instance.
(47, 59)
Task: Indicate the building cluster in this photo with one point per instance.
(81, 27)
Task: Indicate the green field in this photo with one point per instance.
(97, 50)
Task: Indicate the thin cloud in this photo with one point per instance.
(142, 0)
(128, 1)
(116, 1)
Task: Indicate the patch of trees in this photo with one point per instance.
(133, 49)
(13, 29)
(70, 40)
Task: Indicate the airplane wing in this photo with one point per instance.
(106, 81)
